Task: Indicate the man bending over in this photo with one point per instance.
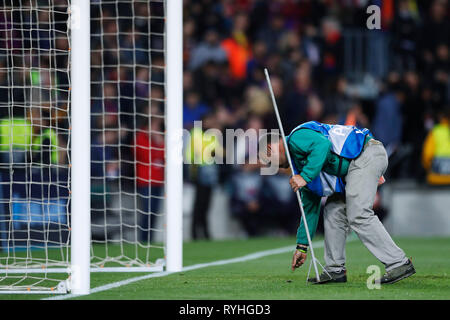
(344, 164)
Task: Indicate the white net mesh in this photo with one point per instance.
(127, 139)
(127, 46)
(34, 124)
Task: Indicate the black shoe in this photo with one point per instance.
(340, 277)
(399, 273)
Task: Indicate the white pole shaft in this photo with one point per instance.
(174, 142)
(81, 142)
(280, 124)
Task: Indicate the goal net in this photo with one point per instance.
(34, 139)
(128, 121)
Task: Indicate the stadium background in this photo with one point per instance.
(325, 64)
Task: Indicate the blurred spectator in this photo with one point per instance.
(297, 97)
(279, 92)
(104, 170)
(436, 151)
(436, 30)
(245, 198)
(256, 65)
(4, 98)
(413, 113)
(149, 152)
(261, 203)
(355, 116)
(257, 101)
(405, 29)
(204, 172)
(246, 181)
(279, 204)
(15, 139)
(387, 123)
(209, 50)
(193, 109)
(271, 34)
(440, 74)
(315, 111)
(45, 140)
(238, 48)
(142, 82)
(30, 147)
(104, 154)
(226, 46)
(331, 46)
(209, 82)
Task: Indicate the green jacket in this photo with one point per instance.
(17, 133)
(49, 136)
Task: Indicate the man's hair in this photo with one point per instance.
(263, 141)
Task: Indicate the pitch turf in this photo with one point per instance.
(270, 277)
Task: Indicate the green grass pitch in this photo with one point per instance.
(270, 277)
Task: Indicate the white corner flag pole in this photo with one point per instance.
(280, 124)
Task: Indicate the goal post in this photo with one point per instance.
(174, 126)
(94, 87)
(34, 147)
(136, 99)
(81, 146)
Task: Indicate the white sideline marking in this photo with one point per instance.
(251, 256)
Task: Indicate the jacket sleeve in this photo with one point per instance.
(142, 148)
(311, 206)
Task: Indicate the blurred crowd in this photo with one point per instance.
(305, 45)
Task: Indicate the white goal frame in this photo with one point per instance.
(80, 245)
(80, 267)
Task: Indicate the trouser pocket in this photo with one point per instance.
(373, 155)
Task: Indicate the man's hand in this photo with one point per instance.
(298, 259)
(297, 182)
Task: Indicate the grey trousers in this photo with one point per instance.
(353, 211)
